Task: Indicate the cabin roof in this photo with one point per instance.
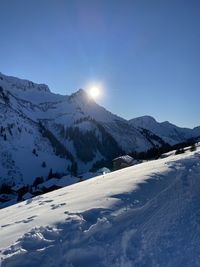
(126, 158)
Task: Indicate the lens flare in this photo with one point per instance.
(94, 92)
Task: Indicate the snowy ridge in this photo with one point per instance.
(170, 133)
(22, 85)
(145, 215)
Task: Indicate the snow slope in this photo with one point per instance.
(145, 215)
(59, 128)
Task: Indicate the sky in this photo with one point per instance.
(144, 55)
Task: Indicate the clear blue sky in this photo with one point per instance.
(146, 54)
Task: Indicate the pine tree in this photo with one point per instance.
(44, 164)
(50, 174)
(73, 168)
(193, 147)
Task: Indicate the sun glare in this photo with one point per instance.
(94, 92)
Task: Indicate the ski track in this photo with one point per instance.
(156, 224)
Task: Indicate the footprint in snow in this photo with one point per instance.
(56, 206)
(6, 225)
(29, 219)
(45, 201)
(32, 217)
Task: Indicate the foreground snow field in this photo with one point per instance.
(145, 215)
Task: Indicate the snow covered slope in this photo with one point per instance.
(56, 128)
(168, 132)
(37, 126)
(40, 131)
(145, 215)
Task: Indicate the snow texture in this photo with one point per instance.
(145, 215)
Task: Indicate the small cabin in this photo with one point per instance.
(67, 180)
(18, 188)
(27, 196)
(102, 171)
(123, 162)
(49, 185)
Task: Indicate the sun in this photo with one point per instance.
(94, 92)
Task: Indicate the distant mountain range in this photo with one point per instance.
(42, 132)
(167, 131)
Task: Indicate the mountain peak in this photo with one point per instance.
(80, 95)
(80, 92)
(143, 120)
(148, 118)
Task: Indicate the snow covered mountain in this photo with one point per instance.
(40, 131)
(168, 132)
(145, 215)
